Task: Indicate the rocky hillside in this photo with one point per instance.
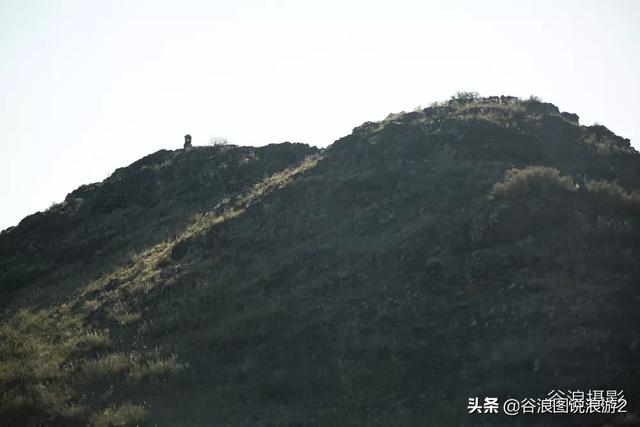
(478, 247)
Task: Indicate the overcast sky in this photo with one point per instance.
(89, 86)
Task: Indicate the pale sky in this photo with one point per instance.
(90, 86)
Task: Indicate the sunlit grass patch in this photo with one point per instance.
(124, 415)
(133, 367)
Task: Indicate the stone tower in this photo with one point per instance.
(187, 141)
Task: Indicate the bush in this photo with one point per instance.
(606, 145)
(531, 180)
(218, 140)
(465, 97)
(613, 196)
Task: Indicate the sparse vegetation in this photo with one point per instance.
(124, 415)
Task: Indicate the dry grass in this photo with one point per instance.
(125, 415)
(133, 366)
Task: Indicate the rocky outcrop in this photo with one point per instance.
(570, 117)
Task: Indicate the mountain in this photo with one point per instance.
(481, 247)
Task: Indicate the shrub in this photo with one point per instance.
(605, 145)
(613, 196)
(217, 140)
(531, 180)
(465, 97)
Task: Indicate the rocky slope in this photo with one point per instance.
(478, 247)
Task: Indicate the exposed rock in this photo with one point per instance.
(570, 117)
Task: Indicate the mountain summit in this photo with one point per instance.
(481, 247)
